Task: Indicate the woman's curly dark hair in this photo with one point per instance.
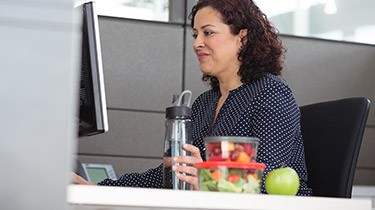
(262, 52)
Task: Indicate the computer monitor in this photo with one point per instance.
(93, 109)
(98, 172)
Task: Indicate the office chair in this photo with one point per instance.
(332, 134)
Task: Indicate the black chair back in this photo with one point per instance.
(332, 134)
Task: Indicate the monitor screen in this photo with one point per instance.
(97, 174)
(93, 110)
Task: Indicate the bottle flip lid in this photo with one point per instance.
(177, 109)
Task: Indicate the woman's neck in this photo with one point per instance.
(227, 85)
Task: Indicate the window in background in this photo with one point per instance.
(346, 20)
(329, 19)
(156, 10)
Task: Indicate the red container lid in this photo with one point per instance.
(229, 164)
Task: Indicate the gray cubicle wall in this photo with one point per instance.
(146, 63)
(39, 40)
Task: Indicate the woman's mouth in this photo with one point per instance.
(202, 56)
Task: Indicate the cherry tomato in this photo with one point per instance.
(233, 178)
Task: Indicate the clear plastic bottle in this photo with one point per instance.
(177, 133)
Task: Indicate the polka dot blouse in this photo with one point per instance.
(265, 109)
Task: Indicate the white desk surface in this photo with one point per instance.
(84, 197)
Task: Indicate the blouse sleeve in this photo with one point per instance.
(275, 123)
(151, 178)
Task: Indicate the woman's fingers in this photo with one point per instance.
(185, 169)
(189, 179)
(79, 180)
(187, 174)
(186, 165)
(194, 150)
(188, 160)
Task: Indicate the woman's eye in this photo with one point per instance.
(207, 33)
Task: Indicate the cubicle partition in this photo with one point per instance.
(38, 83)
(145, 63)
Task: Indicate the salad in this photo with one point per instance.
(224, 179)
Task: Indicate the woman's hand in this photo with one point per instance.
(79, 180)
(189, 169)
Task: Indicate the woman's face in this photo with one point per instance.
(216, 48)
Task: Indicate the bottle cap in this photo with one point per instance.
(177, 109)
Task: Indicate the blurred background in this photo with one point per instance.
(329, 19)
(148, 57)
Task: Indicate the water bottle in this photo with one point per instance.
(177, 133)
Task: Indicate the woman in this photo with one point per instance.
(241, 57)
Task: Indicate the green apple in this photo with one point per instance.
(282, 181)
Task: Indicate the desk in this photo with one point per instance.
(82, 197)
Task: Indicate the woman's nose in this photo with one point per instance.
(198, 43)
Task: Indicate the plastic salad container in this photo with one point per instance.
(231, 148)
(230, 176)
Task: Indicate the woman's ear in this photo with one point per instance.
(243, 35)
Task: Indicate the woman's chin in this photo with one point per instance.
(205, 71)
